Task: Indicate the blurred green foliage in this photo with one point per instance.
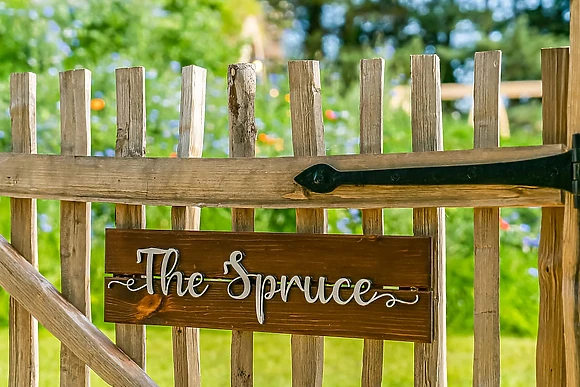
(342, 31)
(53, 36)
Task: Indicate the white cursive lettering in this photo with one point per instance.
(266, 287)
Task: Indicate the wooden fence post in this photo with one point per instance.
(307, 140)
(75, 217)
(131, 143)
(186, 362)
(486, 349)
(243, 131)
(23, 363)
(427, 127)
(550, 352)
(571, 248)
(372, 79)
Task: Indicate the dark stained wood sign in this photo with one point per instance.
(329, 285)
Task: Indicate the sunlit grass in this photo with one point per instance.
(273, 361)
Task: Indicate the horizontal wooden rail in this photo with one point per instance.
(263, 182)
(401, 96)
(23, 282)
(455, 91)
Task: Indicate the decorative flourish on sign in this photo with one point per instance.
(266, 286)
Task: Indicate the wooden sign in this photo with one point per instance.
(329, 285)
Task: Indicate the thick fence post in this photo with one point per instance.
(427, 127)
(186, 356)
(23, 363)
(131, 143)
(75, 217)
(486, 349)
(372, 79)
(243, 131)
(307, 140)
(571, 248)
(550, 352)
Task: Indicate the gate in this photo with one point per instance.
(244, 183)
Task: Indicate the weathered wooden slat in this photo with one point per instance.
(427, 127)
(130, 144)
(571, 247)
(217, 310)
(486, 350)
(307, 140)
(329, 256)
(186, 354)
(75, 217)
(242, 133)
(35, 293)
(263, 182)
(23, 355)
(372, 79)
(550, 352)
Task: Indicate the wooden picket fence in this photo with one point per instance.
(131, 181)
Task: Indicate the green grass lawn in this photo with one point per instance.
(272, 360)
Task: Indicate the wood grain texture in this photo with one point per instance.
(486, 350)
(21, 279)
(192, 112)
(307, 140)
(242, 136)
(426, 124)
(23, 331)
(130, 144)
(550, 352)
(217, 310)
(75, 217)
(186, 356)
(173, 181)
(186, 353)
(372, 77)
(387, 261)
(571, 247)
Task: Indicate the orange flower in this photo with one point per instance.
(97, 104)
(331, 115)
(504, 225)
(263, 137)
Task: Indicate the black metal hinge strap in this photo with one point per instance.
(560, 171)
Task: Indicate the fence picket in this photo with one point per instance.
(23, 356)
(130, 143)
(186, 356)
(427, 128)
(550, 352)
(486, 350)
(372, 78)
(307, 140)
(242, 129)
(75, 217)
